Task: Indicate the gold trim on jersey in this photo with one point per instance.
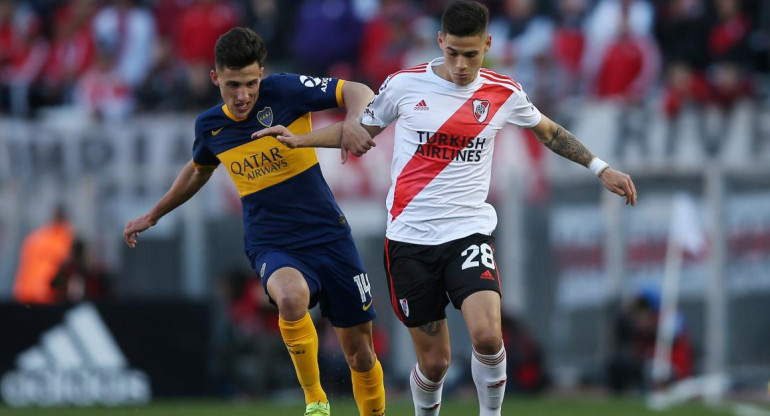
(230, 115)
(261, 163)
(340, 101)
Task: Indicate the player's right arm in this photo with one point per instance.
(380, 112)
(189, 181)
(330, 136)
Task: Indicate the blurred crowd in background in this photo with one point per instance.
(115, 58)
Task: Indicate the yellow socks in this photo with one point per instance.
(301, 340)
(369, 391)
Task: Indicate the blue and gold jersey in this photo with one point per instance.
(286, 201)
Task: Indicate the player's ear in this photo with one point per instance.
(440, 40)
(488, 43)
(214, 77)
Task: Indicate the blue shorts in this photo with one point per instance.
(334, 273)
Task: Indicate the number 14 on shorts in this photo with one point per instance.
(364, 288)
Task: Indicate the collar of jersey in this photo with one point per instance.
(230, 115)
(450, 84)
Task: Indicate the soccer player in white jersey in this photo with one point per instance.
(439, 244)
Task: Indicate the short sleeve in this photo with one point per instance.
(202, 155)
(524, 113)
(382, 110)
(311, 93)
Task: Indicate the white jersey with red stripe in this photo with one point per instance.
(442, 156)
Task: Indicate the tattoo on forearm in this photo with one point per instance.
(565, 144)
(431, 328)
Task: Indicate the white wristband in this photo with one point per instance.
(597, 166)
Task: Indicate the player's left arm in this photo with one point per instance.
(565, 144)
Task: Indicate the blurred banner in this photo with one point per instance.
(578, 234)
(106, 355)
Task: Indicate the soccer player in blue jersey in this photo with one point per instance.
(295, 235)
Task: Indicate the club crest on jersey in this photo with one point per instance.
(265, 116)
(480, 110)
(404, 306)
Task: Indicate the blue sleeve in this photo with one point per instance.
(312, 93)
(202, 155)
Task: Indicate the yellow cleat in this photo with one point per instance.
(318, 409)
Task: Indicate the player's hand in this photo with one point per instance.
(282, 134)
(134, 227)
(619, 183)
(355, 139)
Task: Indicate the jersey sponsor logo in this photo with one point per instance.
(404, 306)
(419, 171)
(262, 270)
(421, 106)
(77, 363)
(312, 82)
(216, 131)
(487, 275)
(258, 164)
(367, 306)
(446, 146)
(480, 110)
(309, 82)
(265, 116)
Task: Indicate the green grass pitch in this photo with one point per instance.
(514, 406)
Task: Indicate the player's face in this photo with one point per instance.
(239, 87)
(463, 56)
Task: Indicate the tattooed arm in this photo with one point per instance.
(565, 144)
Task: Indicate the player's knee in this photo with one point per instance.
(435, 367)
(292, 304)
(487, 341)
(360, 359)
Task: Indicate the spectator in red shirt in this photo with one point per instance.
(630, 65)
(23, 52)
(199, 27)
(684, 86)
(386, 40)
(728, 37)
(72, 50)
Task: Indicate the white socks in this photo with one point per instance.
(489, 376)
(426, 394)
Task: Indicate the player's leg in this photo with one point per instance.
(346, 300)
(419, 300)
(473, 284)
(365, 368)
(431, 344)
(481, 311)
(289, 290)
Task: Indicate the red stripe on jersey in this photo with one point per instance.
(418, 68)
(500, 78)
(421, 168)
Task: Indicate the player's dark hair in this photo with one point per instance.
(464, 18)
(239, 48)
